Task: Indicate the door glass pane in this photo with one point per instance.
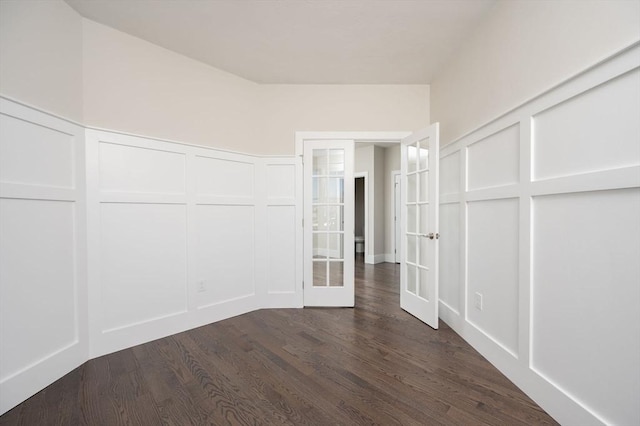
(411, 188)
(411, 279)
(423, 223)
(320, 162)
(336, 278)
(425, 246)
(424, 186)
(319, 274)
(319, 187)
(332, 191)
(412, 211)
(423, 281)
(411, 248)
(424, 155)
(336, 246)
(412, 158)
(328, 218)
(336, 162)
(319, 246)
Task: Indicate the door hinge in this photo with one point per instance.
(303, 222)
(302, 284)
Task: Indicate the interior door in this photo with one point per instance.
(328, 223)
(419, 204)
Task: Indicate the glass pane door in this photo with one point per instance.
(419, 273)
(329, 233)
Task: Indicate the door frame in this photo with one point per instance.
(300, 138)
(397, 211)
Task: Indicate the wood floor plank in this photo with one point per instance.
(373, 364)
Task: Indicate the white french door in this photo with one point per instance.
(328, 223)
(419, 205)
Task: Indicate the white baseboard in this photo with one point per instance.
(390, 257)
(375, 258)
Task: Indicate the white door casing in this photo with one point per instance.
(397, 214)
(419, 205)
(329, 223)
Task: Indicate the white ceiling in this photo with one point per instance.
(302, 41)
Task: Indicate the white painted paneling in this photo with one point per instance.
(32, 154)
(281, 249)
(450, 174)
(450, 255)
(136, 169)
(594, 131)
(143, 262)
(224, 252)
(224, 178)
(586, 292)
(281, 179)
(38, 291)
(492, 244)
(494, 160)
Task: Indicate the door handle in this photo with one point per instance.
(431, 235)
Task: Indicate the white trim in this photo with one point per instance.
(394, 258)
(375, 258)
(355, 136)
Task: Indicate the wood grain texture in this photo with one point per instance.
(373, 364)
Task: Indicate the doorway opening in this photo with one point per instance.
(360, 216)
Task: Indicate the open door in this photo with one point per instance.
(419, 227)
(328, 223)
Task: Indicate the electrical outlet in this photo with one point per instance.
(201, 287)
(478, 301)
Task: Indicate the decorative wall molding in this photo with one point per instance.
(552, 285)
(43, 283)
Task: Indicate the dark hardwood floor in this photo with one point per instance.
(374, 364)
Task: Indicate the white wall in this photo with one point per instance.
(379, 202)
(521, 49)
(41, 51)
(43, 283)
(290, 108)
(134, 86)
(222, 240)
(539, 214)
(370, 159)
(391, 164)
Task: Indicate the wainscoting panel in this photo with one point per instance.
(225, 251)
(492, 244)
(281, 249)
(181, 238)
(139, 169)
(224, 178)
(495, 160)
(143, 273)
(283, 255)
(450, 282)
(549, 239)
(584, 290)
(450, 174)
(37, 271)
(43, 316)
(595, 130)
(54, 164)
(281, 179)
